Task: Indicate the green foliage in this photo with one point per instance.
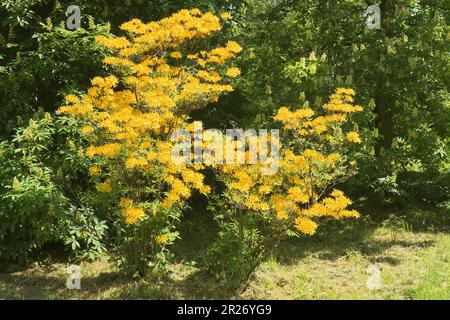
(144, 245)
(40, 61)
(434, 270)
(42, 188)
(431, 189)
(238, 248)
(292, 48)
(19, 13)
(256, 212)
(230, 260)
(401, 71)
(63, 61)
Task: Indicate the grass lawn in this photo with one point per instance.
(413, 252)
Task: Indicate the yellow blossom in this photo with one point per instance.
(305, 225)
(87, 129)
(131, 215)
(225, 16)
(161, 239)
(126, 202)
(233, 72)
(353, 137)
(131, 163)
(71, 98)
(104, 187)
(176, 55)
(94, 170)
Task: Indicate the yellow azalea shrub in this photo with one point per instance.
(161, 73)
(315, 156)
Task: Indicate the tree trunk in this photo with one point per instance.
(384, 122)
(384, 101)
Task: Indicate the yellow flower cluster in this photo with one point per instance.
(132, 215)
(291, 120)
(108, 150)
(305, 225)
(225, 16)
(130, 117)
(131, 163)
(297, 194)
(104, 187)
(126, 202)
(162, 238)
(353, 137)
(233, 72)
(302, 121)
(341, 101)
(334, 206)
(94, 170)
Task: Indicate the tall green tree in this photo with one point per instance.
(402, 70)
(40, 60)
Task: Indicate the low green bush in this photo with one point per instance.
(44, 192)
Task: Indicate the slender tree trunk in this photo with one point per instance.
(241, 232)
(384, 101)
(384, 122)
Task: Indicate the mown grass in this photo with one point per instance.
(412, 246)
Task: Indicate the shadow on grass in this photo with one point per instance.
(21, 286)
(338, 239)
(197, 285)
(188, 280)
(50, 254)
(329, 243)
(334, 240)
(197, 231)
